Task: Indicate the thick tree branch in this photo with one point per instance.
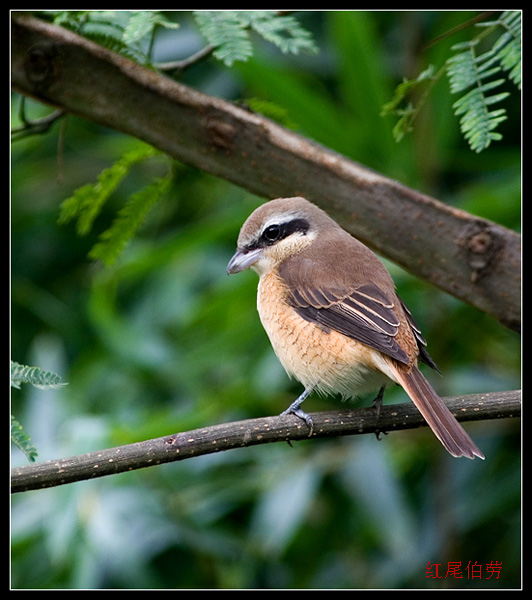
(471, 258)
(252, 432)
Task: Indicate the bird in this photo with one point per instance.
(333, 316)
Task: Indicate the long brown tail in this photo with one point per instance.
(440, 419)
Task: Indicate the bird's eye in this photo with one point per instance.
(272, 233)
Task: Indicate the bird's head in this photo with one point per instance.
(275, 232)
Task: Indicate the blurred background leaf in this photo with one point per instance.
(163, 341)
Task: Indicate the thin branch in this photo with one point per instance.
(481, 17)
(181, 65)
(34, 126)
(471, 258)
(252, 432)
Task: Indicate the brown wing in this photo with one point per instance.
(364, 314)
(355, 296)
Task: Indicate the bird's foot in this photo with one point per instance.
(295, 409)
(298, 412)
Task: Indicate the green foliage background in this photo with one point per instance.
(163, 341)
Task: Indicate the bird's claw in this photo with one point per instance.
(298, 412)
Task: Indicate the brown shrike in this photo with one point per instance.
(333, 317)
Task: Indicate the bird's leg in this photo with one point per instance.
(294, 409)
(377, 401)
(376, 404)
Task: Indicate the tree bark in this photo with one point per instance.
(252, 432)
(471, 258)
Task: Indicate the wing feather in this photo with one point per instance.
(357, 300)
(365, 318)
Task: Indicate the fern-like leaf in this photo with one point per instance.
(87, 201)
(283, 31)
(228, 32)
(36, 376)
(466, 70)
(507, 49)
(120, 31)
(113, 240)
(21, 439)
(40, 379)
(406, 111)
(142, 23)
(472, 73)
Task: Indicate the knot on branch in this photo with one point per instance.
(483, 246)
(39, 65)
(221, 133)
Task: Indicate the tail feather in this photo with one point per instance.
(440, 419)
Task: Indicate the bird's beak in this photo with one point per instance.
(243, 259)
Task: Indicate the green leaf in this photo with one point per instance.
(142, 23)
(471, 73)
(282, 30)
(509, 46)
(228, 32)
(36, 376)
(408, 112)
(87, 201)
(113, 240)
(40, 379)
(22, 440)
